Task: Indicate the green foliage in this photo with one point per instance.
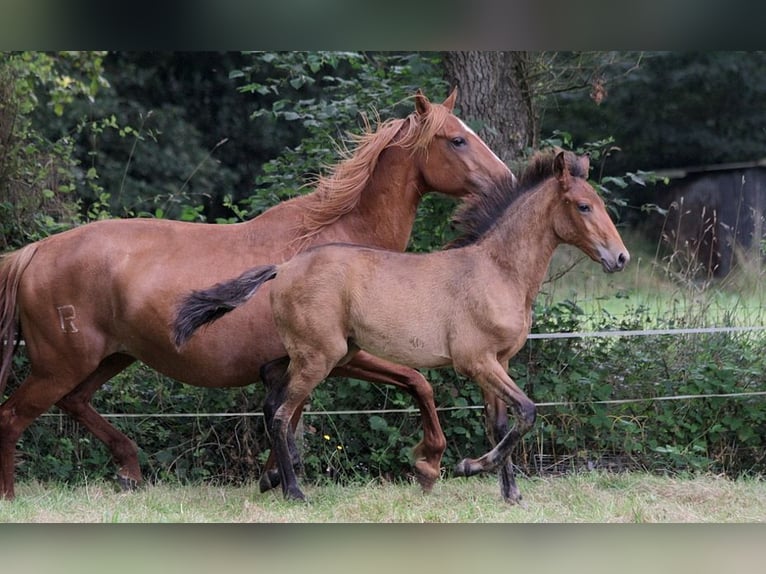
(158, 141)
(38, 171)
(175, 443)
(324, 96)
(673, 109)
(146, 156)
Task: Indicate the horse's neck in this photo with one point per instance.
(387, 207)
(522, 243)
(383, 217)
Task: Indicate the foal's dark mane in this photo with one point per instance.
(476, 216)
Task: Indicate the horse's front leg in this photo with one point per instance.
(493, 378)
(428, 452)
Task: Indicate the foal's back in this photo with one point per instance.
(403, 307)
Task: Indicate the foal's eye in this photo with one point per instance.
(583, 207)
(458, 141)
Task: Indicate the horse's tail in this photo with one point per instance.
(12, 266)
(206, 305)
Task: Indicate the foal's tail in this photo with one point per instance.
(207, 305)
(12, 266)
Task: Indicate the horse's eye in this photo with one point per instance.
(458, 141)
(583, 207)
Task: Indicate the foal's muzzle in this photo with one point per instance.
(612, 264)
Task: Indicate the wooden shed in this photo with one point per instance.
(715, 215)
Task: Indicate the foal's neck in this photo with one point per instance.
(523, 241)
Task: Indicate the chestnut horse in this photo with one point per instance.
(469, 306)
(90, 301)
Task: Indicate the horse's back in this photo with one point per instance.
(111, 286)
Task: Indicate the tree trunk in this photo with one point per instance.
(494, 98)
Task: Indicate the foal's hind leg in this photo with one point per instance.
(308, 367)
(77, 404)
(274, 378)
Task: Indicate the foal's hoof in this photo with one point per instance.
(294, 493)
(468, 467)
(269, 480)
(508, 488)
(126, 483)
(512, 496)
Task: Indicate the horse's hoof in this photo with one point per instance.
(269, 480)
(126, 483)
(425, 476)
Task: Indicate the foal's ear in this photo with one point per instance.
(422, 105)
(584, 161)
(561, 170)
(449, 103)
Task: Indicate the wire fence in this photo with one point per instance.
(532, 336)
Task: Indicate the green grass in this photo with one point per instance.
(594, 497)
(739, 299)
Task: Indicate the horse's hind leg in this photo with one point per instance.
(77, 404)
(428, 452)
(33, 397)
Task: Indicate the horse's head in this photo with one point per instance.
(581, 218)
(451, 157)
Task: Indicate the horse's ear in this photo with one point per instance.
(422, 105)
(449, 103)
(561, 170)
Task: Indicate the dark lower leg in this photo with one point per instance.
(274, 377)
(525, 417)
(289, 480)
(496, 412)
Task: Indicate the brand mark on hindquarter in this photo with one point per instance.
(66, 318)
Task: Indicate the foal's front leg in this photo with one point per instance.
(496, 419)
(492, 378)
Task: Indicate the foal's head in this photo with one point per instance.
(581, 219)
(451, 158)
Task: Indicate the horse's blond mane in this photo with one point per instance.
(338, 192)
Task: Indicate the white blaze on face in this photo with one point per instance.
(481, 142)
